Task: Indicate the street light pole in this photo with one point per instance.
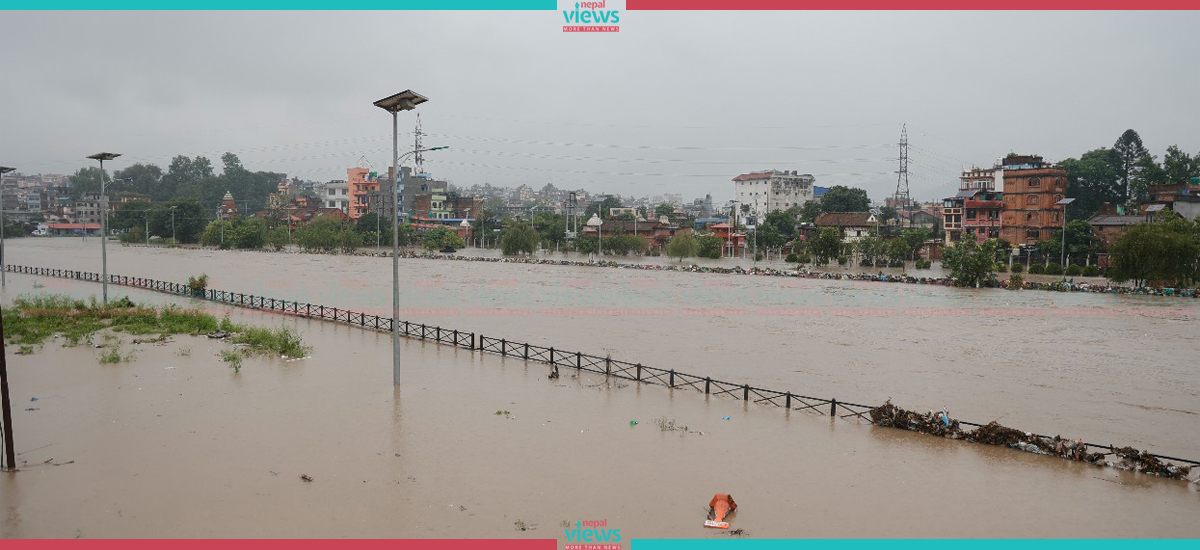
(1063, 258)
(174, 240)
(403, 101)
(103, 221)
(3, 276)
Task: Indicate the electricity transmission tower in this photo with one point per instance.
(902, 200)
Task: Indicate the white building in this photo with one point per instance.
(336, 194)
(769, 191)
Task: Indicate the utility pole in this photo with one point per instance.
(902, 199)
(173, 239)
(10, 455)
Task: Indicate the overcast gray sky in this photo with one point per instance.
(674, 102)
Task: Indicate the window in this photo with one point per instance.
(1031, 233)
(1033, 200)
(1054, 217)
(1034, 182)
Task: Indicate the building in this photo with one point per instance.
(976, 209)
(656, 233)
(853, 225)
(735, 244)
(445, 206)
(228, 209)
(1187, 206)
(87, 209)
(772, 190)
(336, 194)
(1032, 188)
(361, 184)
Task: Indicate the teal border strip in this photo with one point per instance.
(726, 543)
(448, 5)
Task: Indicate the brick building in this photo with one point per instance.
(1031, 189)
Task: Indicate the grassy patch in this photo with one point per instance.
(233, 357)
(34, 318)
(113, 355)
(282, 340)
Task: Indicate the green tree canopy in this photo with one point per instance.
(519, 238)
(1093, 180)
(1164, 251)
(827, 245)
(840, 198)
(1130, 156)
(682, 245)
(971, 263)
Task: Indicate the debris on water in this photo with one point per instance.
(33, 408)
(218, 334)
(724, 418)
(739, 532)
(520, 525)
(633, 422)
(939, 424)
(306, 478)
(32, 399)
(1142, 461)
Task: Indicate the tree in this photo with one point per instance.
(1080, 240)
(709, 246)
(624, 243)
(782, 222)
(519, 238)
(840, 198)
(682, 245)
(440, 238)
(320, 234)
(1163, 251)
(129, 215)
(551, 228)
(603, 207)
(86, 180)
(214, 233)
(277, 238)
(1179, 167)
(827, 245)
(1130, 153)
(1149, 173)
(810, 211)
(370, 222)
(887, 214)
(142, 178)
(971, 263)
(348, 240)
(914, 239)
(664, 209)
(1092, 180)
(248, 233)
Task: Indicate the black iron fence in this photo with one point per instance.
(525, 351)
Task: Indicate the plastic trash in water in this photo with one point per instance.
(945, 417)
(32, 399)
(633, 422)
(724, 418)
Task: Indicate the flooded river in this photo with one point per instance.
(174, 446)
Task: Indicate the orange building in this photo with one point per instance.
(1031, 189)
(362, 183)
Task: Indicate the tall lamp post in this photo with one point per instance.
(1063, 259)
(403, 101)
(3, 170)
(174, 240)
(103, 221)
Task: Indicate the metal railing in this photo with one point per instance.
(555, 357)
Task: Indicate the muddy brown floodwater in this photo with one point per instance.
(181, 446)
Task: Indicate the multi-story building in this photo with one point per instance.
(768, 191)
(361, 183)
(336, 194)
(976, 209)
(87, 208)
(1032, 188)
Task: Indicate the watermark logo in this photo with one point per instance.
(592, 16)
(592, 535)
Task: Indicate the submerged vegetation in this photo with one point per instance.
(35, 318)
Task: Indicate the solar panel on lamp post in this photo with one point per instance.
(103, 222)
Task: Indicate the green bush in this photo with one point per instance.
(791, 258)
(1054, 269)
(922, 263)
(1015, 281)
(842, 260)
(197, 285)
(1018, 267)
(1036, 269)
(1091, 271)
(1001, 267)
(1074, 270)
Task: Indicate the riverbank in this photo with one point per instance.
(170, 446)
(890, 275)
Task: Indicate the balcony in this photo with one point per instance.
(984, 204)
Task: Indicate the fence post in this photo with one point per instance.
(788, 400)
(608, 366)
(438, 334)
(473, 348)
(672, 384)
(552, 356)
(526, 352)
(639, 373)
(833, 408)
(578, 360)
(707, 385)
(745, 392)
(455, 337)
(503, 353)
